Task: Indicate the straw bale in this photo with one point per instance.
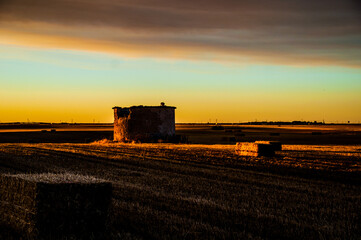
(255, 149)
(276, 144)
(57, 205)
(247, 153)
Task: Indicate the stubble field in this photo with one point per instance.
(190, 191)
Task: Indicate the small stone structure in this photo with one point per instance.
(258, 148)
(54, 206)
(144, 123)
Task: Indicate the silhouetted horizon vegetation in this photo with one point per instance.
(44, 124)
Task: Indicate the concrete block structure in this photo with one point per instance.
(144, 123)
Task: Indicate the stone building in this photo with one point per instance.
(144, 123)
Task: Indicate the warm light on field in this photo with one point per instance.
(205, 119)
(179, 184)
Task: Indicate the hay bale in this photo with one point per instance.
(255, 149)
(277, 145)
(43, 206)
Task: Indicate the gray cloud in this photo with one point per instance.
(293, 29)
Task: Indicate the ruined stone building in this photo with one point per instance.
(144, 123)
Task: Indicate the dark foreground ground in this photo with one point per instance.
(311, 190)
(180, 191)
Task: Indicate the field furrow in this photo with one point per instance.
(195, 191)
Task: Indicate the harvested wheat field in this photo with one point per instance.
(184, 191)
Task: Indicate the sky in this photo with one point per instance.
(229, 60)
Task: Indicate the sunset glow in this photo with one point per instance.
(63, 61)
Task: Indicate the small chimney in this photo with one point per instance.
(162, 104)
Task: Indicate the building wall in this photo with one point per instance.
(143, 123)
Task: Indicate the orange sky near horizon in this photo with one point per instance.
(234, 61)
